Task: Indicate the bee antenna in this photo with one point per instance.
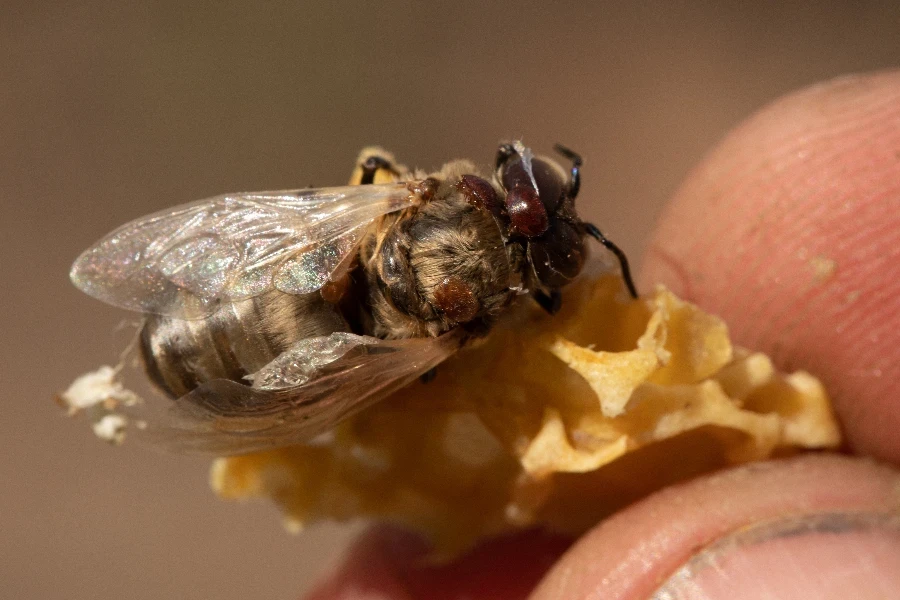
(575, 179)
(593, 231)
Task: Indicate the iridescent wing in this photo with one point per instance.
(304, 392)
(186, 261)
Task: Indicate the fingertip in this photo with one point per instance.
(790, 230)
(644, 551)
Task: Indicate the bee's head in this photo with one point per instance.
(540, 209)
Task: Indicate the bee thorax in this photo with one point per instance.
(442, 266)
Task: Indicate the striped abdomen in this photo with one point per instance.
(237, 340)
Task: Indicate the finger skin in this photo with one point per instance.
(790, 231)
(629, 555)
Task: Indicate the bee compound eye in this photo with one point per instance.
(549, 182)
(456, 300)
(559, 256)
(395, 276)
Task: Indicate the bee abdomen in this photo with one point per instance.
(237, 340)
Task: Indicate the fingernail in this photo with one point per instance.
(830, 556)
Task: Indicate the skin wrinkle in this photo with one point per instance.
(785, 211)
(711, 557)
(865, 317)
(700, 512)
(814, 175)
(813, 290)
(751, 173)
(683, 280)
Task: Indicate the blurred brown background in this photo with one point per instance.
(109, 112)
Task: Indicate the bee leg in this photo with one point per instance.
(371, 165)
(594, 232)
(503, 154)
(551, 302)
(429, 375)
(575, 179)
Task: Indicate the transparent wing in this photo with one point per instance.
(185, 261)
(304, 392)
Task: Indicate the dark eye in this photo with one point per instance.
(558, 257)
(550, 184)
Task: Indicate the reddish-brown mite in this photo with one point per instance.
(456, 300)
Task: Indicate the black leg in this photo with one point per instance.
(372, 164)
(503, 154)
(429, 375)
(595, 233)
(551, 302)
(575, 181)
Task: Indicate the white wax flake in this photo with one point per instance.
(111, 428)
(100, 394)
(97, 387)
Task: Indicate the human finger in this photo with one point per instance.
(790, 231)
(819, 526)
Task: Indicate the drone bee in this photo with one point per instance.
(271, 316)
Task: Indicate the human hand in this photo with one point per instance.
(790, 231)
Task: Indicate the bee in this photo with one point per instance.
(272, 316)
